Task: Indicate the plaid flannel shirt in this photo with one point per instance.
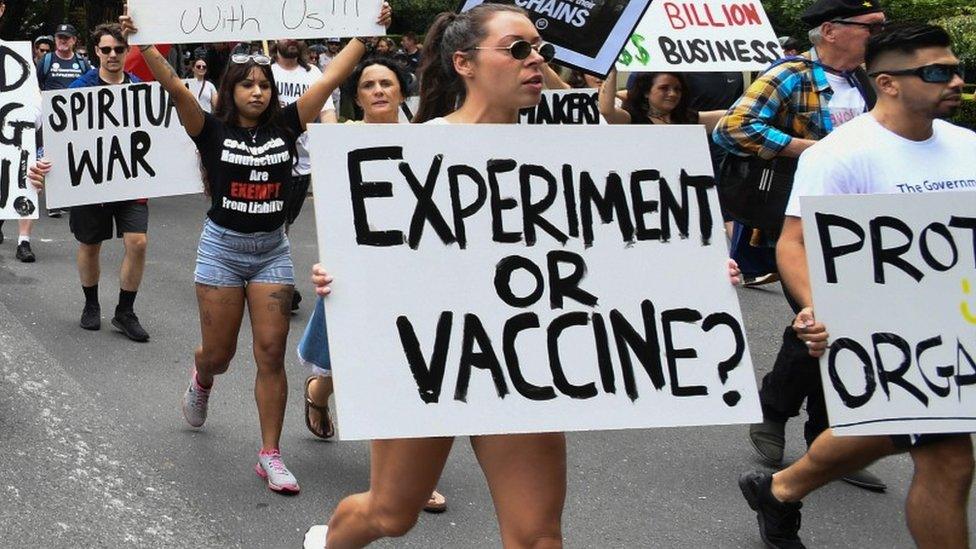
(788, 100)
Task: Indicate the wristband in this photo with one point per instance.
(144, 48)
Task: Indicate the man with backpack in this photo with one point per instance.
(795, 103)
(56, 70)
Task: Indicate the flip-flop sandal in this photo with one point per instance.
(323, 410)
(436, 504)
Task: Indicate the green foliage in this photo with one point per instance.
(417, 15)
(962, 28)
(785, 14)
(966, 116)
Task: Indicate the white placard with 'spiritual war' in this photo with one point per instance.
(194, 21)
(894, 282)
(20, 110)
(112, 143)
(701, 36)
(534, 281)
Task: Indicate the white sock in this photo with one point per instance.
(23, 238)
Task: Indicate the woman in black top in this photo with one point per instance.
(247, 149)
(653, 98)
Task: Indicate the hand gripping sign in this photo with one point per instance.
(894, 282)
(540, 281)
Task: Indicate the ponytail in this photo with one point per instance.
(441, 89)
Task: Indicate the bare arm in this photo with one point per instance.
(796, 146)
(710, 119)
(191, 115)
(791, 261)
(552, 80)
(608, 106)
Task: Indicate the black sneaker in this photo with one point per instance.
(24, 252)
(55, 213)
(91, 317)
(128, 323)
(779, 523)
(296, 298)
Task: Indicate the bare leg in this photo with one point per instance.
(403, 473)
(134, 262)
(221, 312)
(89, 269)
(319, 391)
(270, 308)
(25, 226)
(527, 478)
(936, 504)
(829, 458)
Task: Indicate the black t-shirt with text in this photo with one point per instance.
(249, 171)
(60, 72)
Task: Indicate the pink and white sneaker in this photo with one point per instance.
(195, 401)
(272, 469)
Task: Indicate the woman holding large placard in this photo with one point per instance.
(487, 64)
(377, 87)
(247, 150)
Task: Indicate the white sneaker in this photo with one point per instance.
(271, 468)
(195, 401)
(315, 537)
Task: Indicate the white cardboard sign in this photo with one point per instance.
(537, 281)
(192, 21)
(112, 143)
(578, 106)
(894, 282)
(701, 36)
(20, 109)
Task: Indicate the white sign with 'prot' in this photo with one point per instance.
(894, 282)
(20, 109)
(112, 143)
(539, 281)
(192, 21)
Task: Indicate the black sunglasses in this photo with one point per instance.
(199, 66)
(937, 73)
(873, 28)
(521, 49)
(119, 50)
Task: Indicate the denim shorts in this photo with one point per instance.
(232, 259)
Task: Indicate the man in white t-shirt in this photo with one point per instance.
(897, 147)
(293, 75)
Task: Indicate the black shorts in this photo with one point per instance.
(296, 196)
(92, 223)
(907, 442)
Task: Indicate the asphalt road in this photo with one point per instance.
(96, 453)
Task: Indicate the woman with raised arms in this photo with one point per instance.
(481, 66)
(247, 149)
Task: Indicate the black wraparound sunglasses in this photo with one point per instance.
(936, 73)
(521, 49)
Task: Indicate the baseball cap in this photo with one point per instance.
(44, 38)
(66, 29)
(333, 40)
(822, 11)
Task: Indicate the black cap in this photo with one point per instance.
(822, 11)
(65, 29)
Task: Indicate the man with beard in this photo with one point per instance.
(92, 224)
(293, 75)
(896, 147)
